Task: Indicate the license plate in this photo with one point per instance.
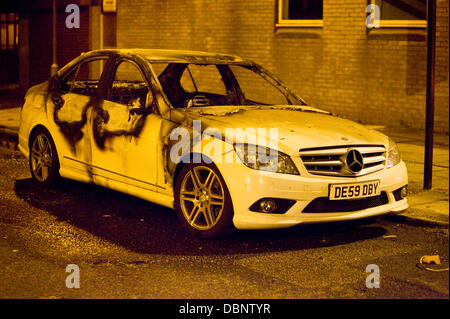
(354, 190)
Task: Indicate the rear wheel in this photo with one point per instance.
(202, 201)
(44, 163)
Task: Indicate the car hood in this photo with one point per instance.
(298, 126)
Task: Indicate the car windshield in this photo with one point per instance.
(198, 85)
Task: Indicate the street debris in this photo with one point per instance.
(389, 236)
(430, 260)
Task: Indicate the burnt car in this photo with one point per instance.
(216, 137)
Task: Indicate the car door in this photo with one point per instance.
(126, 131)
(71, 102)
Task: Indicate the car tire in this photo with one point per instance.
(43, 158)
(203, 205)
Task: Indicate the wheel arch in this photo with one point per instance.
(33, 131)
(223, 225)
(185, 159)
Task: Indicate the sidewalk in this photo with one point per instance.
(11, 99)
(425, 206)
(9, 127)
(10, 103)
(431, 205)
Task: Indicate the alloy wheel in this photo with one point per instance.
(202, 197)
(41, 157)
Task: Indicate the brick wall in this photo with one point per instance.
(375, 77)
(442, 56)
(70, 42)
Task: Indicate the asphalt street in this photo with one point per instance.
(129, 248)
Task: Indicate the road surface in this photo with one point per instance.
(128, 248)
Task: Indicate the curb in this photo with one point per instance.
(426, 221)
(8, 138)
(434, 214)
(416, 221)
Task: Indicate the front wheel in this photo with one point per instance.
(202, 201)
(44, 163)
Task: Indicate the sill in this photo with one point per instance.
(300, 24)
(402, 24)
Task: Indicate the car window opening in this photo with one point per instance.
(201, 85)
(82, 79)
(193, 82)
(129, 86)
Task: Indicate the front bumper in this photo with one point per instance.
(246, 186)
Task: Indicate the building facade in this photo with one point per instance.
(325, 53)
(331, 53)
(26, 38)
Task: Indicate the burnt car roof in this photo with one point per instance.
(179, 56)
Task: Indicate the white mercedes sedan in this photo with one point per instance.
(216, 137)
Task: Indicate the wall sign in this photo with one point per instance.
(109, 6)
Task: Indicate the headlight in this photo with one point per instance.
(393, 157)
(265, 159)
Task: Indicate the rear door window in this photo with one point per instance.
(129, 86)
(85, 78)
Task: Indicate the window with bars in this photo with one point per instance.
(300, 13)
(9, 31)
(402, 13)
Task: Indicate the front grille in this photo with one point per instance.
(331, 161)
(324, 205)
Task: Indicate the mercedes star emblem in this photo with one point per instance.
(354, 161)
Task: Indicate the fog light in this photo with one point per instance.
(400, 193)
(267, 205)
(404, 192)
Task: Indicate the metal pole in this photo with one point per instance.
(54, 66)
(429, 119)
(101, 30)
